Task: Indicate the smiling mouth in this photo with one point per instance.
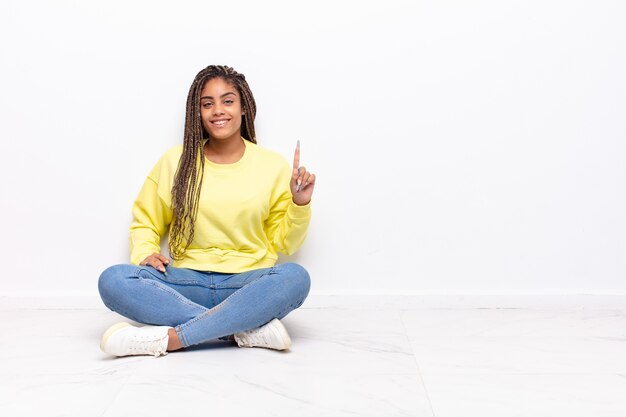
(219, 123)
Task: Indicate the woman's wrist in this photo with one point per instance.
(300, 203)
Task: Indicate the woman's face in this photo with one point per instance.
(220, 109)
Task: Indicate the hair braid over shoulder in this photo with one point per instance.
(189, 174)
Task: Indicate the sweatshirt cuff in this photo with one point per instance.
(295, 211)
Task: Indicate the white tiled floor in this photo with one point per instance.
(345, 361)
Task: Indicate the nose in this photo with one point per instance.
(218, 109)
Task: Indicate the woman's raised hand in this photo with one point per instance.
(302, 181)
(157, 261)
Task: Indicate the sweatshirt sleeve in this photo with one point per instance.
(152, 216)
(287, 224)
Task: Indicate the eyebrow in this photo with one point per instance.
(223, 95)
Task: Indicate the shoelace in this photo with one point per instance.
(148, 346)
(254, 337)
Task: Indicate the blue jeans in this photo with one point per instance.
(202, 306)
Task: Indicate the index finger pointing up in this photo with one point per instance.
(296, 156)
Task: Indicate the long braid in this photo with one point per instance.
(190, 171)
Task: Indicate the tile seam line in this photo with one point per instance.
(419, 370)
(117, 394)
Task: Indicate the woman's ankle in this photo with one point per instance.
(173, 342)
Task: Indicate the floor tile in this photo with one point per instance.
(515, 355)
(252, 392)
(468, 395)
(515, 322)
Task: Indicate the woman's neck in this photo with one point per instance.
(224, 152)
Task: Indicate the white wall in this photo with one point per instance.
(461, 147)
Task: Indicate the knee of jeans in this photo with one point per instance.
(299, 280)
(110, 282)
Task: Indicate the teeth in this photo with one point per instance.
(220, 122)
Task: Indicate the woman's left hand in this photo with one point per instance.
(302, 181)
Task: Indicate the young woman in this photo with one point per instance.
(229, 206)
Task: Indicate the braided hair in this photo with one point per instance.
(189, 174)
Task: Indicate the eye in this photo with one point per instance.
(207, 104)
(228, 101)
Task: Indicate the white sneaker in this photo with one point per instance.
(122, 339)
(272, 335)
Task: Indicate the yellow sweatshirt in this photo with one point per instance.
(246, 213)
